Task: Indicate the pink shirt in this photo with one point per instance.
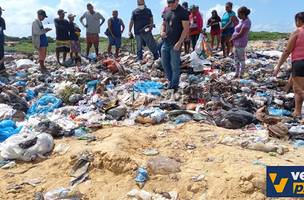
(298, 51)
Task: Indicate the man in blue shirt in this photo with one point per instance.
(2, 28)
(142, 20)
(115, 28)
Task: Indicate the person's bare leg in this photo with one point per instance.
(89, 45)
(298, 105)
(116, 52)
(218, 41)
(64, 56)
(96, 46)
(109, 49)
(228, 44)
(212, 41)
(224, 47)
(57, 56)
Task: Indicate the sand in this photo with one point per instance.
(228, 172)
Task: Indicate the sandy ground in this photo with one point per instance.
(230, 172)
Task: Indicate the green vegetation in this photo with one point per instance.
(267, 35)
(24, 45)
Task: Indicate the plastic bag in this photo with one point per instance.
(26, 147)
(47, 103)
(148, 87)
(6, 111)
(202, 48)
(7, 129)
(24, 63)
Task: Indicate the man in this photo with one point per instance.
(74, 35)
(93, 27)
(2, 28)
(62, 35)
(39, 38)
(174, 31)
(142, 20)
(115, 28)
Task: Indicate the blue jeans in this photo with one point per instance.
(148, 39)
(171, 63)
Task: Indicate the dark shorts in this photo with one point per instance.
(298, 68)
(115, 41)
(228, 32)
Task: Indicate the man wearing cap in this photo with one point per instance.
(142, 20)
(2, 28)
(62, 35)
(74, 35)
(92, 25)
(174, 31)
(115, 28)
(39, 38)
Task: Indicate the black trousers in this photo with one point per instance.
(194, 39)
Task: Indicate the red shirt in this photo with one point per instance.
(196, 23)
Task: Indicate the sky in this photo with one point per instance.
(266, 15)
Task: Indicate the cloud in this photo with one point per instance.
(19, 15)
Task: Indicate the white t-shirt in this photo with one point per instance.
(93, 21)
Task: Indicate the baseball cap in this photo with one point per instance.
(42, 13)
(61, 11)
(170, 1)
(71, 15)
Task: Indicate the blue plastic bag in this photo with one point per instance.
(7, 129)
(148, 87)
(278, 112)
(47, 103)
(142, 175)
(30, 95)
(92, 86)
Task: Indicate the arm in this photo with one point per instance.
(228, 24)
(102, 20)
(241, 33)
(37, 30)
(131, 26)
(183, 35)
(123, 26)
(110, 28)
(81, 20)
(290, 47)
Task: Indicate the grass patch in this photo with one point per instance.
(24, 45)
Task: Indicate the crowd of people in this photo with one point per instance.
(180, 29)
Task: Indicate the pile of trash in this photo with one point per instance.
(72, 101)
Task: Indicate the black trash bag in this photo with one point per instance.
(235, 119)
(50, 127)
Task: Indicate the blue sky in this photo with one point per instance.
(267, 15)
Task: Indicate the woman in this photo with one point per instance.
(196, 25)
(240, 40)
(214, 23)
(295, 47)
(229, 21)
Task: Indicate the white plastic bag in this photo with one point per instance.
(12, 150)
